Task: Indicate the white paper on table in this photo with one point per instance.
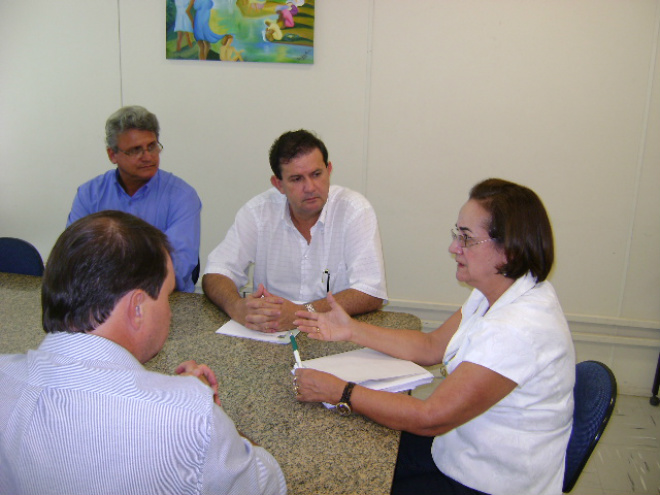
(373, 369)
(235, 329)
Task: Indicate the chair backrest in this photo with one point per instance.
(195, 272)
(18, 256)
(595, 396)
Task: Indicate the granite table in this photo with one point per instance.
(319, 451)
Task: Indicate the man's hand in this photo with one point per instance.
(261, 310)
(267, 312)
(203, 372)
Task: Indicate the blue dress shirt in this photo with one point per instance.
(166, 202)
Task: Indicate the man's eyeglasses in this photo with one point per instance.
(153, 149)
(466, 241)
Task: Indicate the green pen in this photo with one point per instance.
(296, 354)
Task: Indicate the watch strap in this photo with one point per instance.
(344, 406)
(346, 396)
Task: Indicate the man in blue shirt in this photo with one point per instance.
(139, 187)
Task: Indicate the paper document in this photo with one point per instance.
(373, 369)
(235, 329)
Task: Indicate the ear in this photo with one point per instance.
(135, 308)
(329, 168)
(112, 155)
(277, 183)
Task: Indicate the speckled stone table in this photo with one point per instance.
(319, 451)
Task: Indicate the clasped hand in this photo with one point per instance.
(203, 372)
(267, 312)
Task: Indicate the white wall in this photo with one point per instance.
(416, 101)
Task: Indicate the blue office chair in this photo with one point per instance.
(595, 396)
(18, 256)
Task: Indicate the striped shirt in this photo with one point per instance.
(81, 415)
(345, 243)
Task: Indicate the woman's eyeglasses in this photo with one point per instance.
(466, 241)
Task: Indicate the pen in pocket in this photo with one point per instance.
(326, 279)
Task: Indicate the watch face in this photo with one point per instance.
(343, 409)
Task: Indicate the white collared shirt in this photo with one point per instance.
(345, 243)
(517, 447)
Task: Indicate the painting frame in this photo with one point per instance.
(270, 31)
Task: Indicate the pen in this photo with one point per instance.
(296, 354)
(326, 276)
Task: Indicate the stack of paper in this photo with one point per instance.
(373, 369)
(235, 329)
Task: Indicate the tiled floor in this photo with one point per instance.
(627, 458)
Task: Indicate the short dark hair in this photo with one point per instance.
(291, 145)
(127, 118)
(520, 225)
(94, 263)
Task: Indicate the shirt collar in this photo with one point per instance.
(332, 193)
(88, 347)
(477, 304)
(286, 214)
(477, 299)
(517, 289)
(153, 182)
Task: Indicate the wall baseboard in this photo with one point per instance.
(629, 347)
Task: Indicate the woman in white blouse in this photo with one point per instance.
(499, 423)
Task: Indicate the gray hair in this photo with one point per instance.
(127, 118)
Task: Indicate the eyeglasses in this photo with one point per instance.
(466, 241)
(153, 149)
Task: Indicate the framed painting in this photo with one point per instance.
(280, 31)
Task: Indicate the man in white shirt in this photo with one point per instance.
(305, 239)
(81, 415)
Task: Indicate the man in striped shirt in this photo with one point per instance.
(81, 415)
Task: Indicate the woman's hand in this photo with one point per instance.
(335, 325)
(203, 372)
(316, 386)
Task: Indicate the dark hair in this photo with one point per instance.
(520, 225)
(291, 145)
(127, 118)
(94, 263)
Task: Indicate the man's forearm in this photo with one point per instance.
(353, 301)
(222, 291)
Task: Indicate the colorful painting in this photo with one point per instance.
(279, 31)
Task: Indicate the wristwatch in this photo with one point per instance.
(344, 405)
(310, 307)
